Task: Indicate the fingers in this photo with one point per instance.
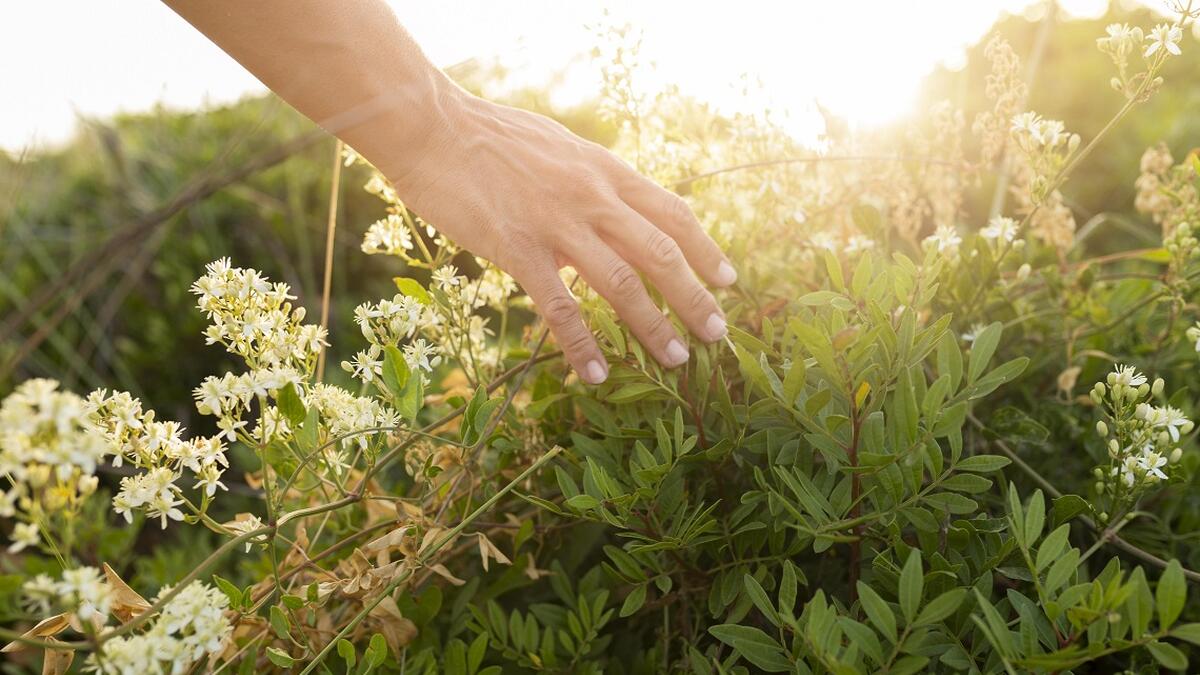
(560, 311)
(618, 283)
(661, 259)
(672, 215)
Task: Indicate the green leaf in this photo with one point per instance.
(413, 289)
(912, 584)
(476, 652)
(1189, 632)
(308, 435)
(1067, 507)
(877, 611)
(983, 463)
(280, 657)
(754, 645)
(376, 652)
(632, 392)
(1167, 655)
(395, 371)
(280, 623)
(290, 404)
(583, 502)
(941, 607)
(1035, 518)
(760, 598)
(982, 349)
(232, 592)
(1052, 546)
(1170, 595)
(346, 651)
(633, 601)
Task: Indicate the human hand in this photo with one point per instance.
(524, 192)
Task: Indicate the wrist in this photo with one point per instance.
(413, 124)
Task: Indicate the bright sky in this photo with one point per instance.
(861, 58)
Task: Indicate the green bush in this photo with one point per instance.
(924, 446)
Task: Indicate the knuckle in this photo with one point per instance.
(560, 311)
(663, 250)
(676, 209)
(700, 299)
(659, 325)
(622, 281)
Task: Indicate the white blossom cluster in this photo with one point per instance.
(190, 627)
(388, 236)
(254, 318)
(82, 590)
(1142, 438)
(159, 449)
(343, 413)
(49, 450)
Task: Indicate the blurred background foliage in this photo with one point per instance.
(100, 239)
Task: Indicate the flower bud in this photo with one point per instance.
(1143, 390)
(1141, 411)
(87, 485)
(1114, 448)
(1023, 272)
(1097, 398)
(1099, 389)
(1099, 487)
(1104, 516)
(1102, 428)
(1186, 427)
(1163, 438)
(1112, 379)
(1116, 84)
(1157, 387)
(1098, 473)
(1176, 455)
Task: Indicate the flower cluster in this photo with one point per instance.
(159, 449)
(388, 236)
(1044, 149)
(1141, 438)
(49, 451)
(191, 626)
(254, 318)
(82, 590)
(343, 413)
(1122, 41)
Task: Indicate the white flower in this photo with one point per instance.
(1000, 228)
(945, 240)
(1165, 37)
(1126, 375)
(1151, 463)
(24, 535)
(446, 277)
(389, 236)
(974, 332)
(1169, 417)
(85, 589)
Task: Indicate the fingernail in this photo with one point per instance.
(715, 327)
(677, 354)
(726, 275)
(596, 372)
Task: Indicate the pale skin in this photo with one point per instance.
(511, 186)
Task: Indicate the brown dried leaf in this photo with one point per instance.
(127, 604)
(57, 661)
(441, 571)
(397, 630)
(488, 550)
(45, 628)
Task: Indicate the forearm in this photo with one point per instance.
(348, 65)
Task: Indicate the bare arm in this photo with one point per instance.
(512, 186)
